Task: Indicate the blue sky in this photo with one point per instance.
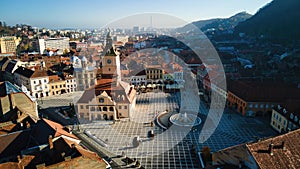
(97, 13)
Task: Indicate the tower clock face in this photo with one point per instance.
(108, 61)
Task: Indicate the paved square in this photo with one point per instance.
(168, 149)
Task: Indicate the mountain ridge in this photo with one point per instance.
(216, 23)
(280, 19)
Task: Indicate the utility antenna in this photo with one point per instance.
(151, 21)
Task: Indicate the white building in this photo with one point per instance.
(37, 82)
(61, 44)
(138, 80)
(71, 84)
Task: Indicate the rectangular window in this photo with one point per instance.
(125, 107)
(81, 106)
(120, 107)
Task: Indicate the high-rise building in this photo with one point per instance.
(9, 44)
(60, 44)
(135, 29)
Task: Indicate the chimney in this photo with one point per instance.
(19, 158)
(271, 146)
(50, 142)
(19, 114)
(73, 146)
(283, 145)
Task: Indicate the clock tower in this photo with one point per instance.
(110, 61)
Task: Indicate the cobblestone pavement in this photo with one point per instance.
(172, 149)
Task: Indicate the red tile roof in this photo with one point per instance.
(262, 91)
(39, 73)
(59, 129)
(18, 165)
(288, 158)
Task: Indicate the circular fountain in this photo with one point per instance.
(185, 119)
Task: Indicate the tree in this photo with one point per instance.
(66, 51)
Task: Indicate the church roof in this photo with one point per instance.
(107, 85)
(111, 52)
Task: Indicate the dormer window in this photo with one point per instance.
(296, 119)
(101, 100)
(292, 116)
(278, 107)
(284, 111)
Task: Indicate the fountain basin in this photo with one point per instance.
(185, 119)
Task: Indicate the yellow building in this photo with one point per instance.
(154, 73)
(286, 118)
(56, 85)
(8, 44)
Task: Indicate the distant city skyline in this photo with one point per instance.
(96, 14)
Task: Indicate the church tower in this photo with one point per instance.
(110, 61)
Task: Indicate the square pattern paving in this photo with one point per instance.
(173, 150)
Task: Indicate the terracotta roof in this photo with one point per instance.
(18, 165)
(11, 144)
(262, 91)
(39, 73)
(59, 129)
(288, 158)
(7, 127)
(108, 86)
